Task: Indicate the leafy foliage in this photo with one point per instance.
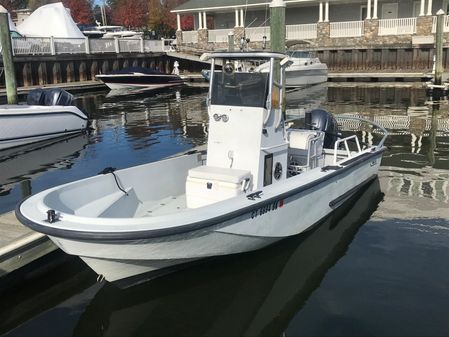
(81, 10)
(131, 14)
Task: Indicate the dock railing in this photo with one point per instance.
(56, 46)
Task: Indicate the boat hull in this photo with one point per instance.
(306, 75)
(249, 229)
(24, 124)
(123, 81)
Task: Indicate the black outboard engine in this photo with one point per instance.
(58, 96)
(55, 96)
(324, 121)
(36, 97)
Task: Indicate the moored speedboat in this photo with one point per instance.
(259, 182)
(139, 77)
(49, 113)
(304, 70)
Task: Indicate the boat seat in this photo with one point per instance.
(305, 149)
(209, 184)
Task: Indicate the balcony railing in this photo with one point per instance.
(307, 31)
(190, 36)
(445, 25)
(397, 26)
(346, 29)
(219, 35)
(257, 33)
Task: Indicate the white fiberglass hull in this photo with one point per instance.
(24, 124)
(301, 75)
(128, 245)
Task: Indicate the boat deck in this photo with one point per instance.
(169, 205)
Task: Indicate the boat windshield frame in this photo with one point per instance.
(269, 57)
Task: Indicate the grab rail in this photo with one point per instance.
(359, 149)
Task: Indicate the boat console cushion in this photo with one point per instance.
(223, 174)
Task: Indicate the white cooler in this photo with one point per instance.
(208, 184)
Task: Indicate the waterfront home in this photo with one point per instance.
(331, 23)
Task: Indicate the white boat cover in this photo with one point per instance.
(50, 20)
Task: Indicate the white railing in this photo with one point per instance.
(346, 29)
(31, 45)
(219, 35)
(55, 45)
(98, 46)
(257, 33)
(445, 25)
(190, 36)
(130, 45)
(69, 45)
(397, 26)
(308, 31)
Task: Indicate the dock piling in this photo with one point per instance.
(439, 48)
(8, 62)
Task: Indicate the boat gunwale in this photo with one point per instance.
(72, 234)
(11, 112)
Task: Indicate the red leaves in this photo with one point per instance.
(80, 10)
(131, 14)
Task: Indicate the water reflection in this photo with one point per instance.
(246, 295)
(28, 162)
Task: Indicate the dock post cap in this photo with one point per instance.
(277, 3)
(440, 12)
(3, 9)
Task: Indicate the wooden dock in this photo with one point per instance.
(20, 245)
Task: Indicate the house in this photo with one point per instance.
(324, 24)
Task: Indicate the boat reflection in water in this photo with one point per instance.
(256, 293)
(29, 161)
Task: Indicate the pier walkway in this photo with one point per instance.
(20, 245)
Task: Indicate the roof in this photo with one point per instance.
(196, 5)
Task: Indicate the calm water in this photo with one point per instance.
(378, 266)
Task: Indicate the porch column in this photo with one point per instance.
(375, 10)
(326, 12)
(421, 10)
(200, 21)
(236, 18)
(242, 24)
(178, 20)
(368, 10)
(204, 21)
(429, 7)
(320, 19)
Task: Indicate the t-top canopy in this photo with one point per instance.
(241, 55)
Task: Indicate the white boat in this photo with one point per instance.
(305, 70)
(109, 32)
(47, 114)
(258, 183)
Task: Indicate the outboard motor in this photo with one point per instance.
(36, 97)
(58, 96)
(324, 121)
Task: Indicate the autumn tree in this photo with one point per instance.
(81, 10)
(131, 13)
(34, 4)
(13, 4)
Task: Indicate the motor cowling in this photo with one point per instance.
(323, 120)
